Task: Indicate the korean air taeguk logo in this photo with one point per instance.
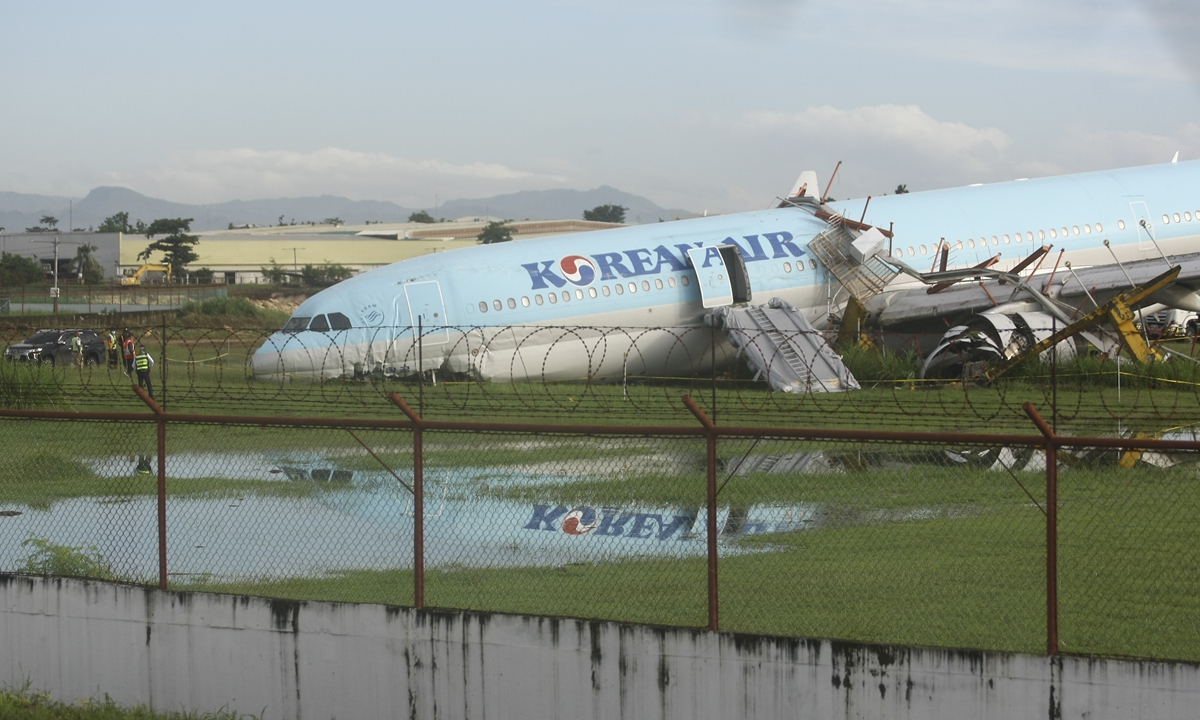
(578, 269)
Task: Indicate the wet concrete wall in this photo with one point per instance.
(203, 652)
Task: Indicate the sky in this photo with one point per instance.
(704, 105)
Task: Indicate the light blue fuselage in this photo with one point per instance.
(488, 310)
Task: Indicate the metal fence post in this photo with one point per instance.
(161, 420)
(418, 502)
(1051, 528)
(710, 437)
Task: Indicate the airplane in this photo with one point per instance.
(673, 298)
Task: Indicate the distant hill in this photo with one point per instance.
(558, 204)
(19, 211)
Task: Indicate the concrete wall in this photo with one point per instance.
(202, 652)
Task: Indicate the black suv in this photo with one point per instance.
(54, 347)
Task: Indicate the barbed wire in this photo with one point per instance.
(618, 373)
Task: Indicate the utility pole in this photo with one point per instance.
(54, 292)
(295, 264)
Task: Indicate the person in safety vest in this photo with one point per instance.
(143, 362)
(77, 348)
(127, 351)
(113, 347)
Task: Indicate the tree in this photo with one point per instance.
(87, 265)
(901, 189)
(48, 223)
(322, 275)
(496, 231)
(606, 213)
(204, 276)
(274, 273)
(117, 223)
(19, 270)
(421, 217)
(176, 247)
(327, 221)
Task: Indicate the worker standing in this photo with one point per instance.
(143, 362)
(113, 347)
(127, 351)
(77, 348)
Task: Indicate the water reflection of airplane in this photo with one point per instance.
(639, 299)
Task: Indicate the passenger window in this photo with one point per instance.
(1053, 233)
(658, 284)
(911, 251)
(1087, 229)
(1120, 224)
(812, 264)
(970, 243)
(482, 306)
(632, 287)
(923, 250)
(566, 296)
(995, 240)
(1029, 236)
(512, 304)
(338, 321)
(646, 285)
(670, 281)
(497, 304)
(619, 288)
(787, 267)
(1166, 219)
(552, 297)
(607, 292)
(579, 294)
(524, 301)
(1099, 228)
(1176, 217)
(685, 280)
(1076, 227)
(958, 245)
(1041, 234)
(1187, 216)
(592, 292)
(1006, 240)
(319, 324)
(538, 299)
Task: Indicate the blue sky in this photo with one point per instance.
(706, 105)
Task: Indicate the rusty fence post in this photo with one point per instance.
(710, 437)
(1051, 528)
(161, 420)
(418, 501)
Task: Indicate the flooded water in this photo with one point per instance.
(354, 519)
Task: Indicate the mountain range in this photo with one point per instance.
(20, 210)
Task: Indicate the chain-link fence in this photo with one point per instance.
(917, 538)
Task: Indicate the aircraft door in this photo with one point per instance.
(426, 306)
(721, 275)
(1144, 223)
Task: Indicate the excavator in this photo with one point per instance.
(139, 276)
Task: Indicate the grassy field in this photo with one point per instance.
(26, 704)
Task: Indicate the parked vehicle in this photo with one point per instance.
(54, 346)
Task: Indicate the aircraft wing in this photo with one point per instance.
(1103, 281)
(916, 304)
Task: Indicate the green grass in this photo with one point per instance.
(26, 704)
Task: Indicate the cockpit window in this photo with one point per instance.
(319, 324)
(338, 321)
(296, 324)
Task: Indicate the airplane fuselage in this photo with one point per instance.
(628, 300)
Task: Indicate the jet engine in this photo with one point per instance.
(992, 338)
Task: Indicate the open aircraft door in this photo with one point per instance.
(426, 308)
(721, 274)
(1145, 224)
